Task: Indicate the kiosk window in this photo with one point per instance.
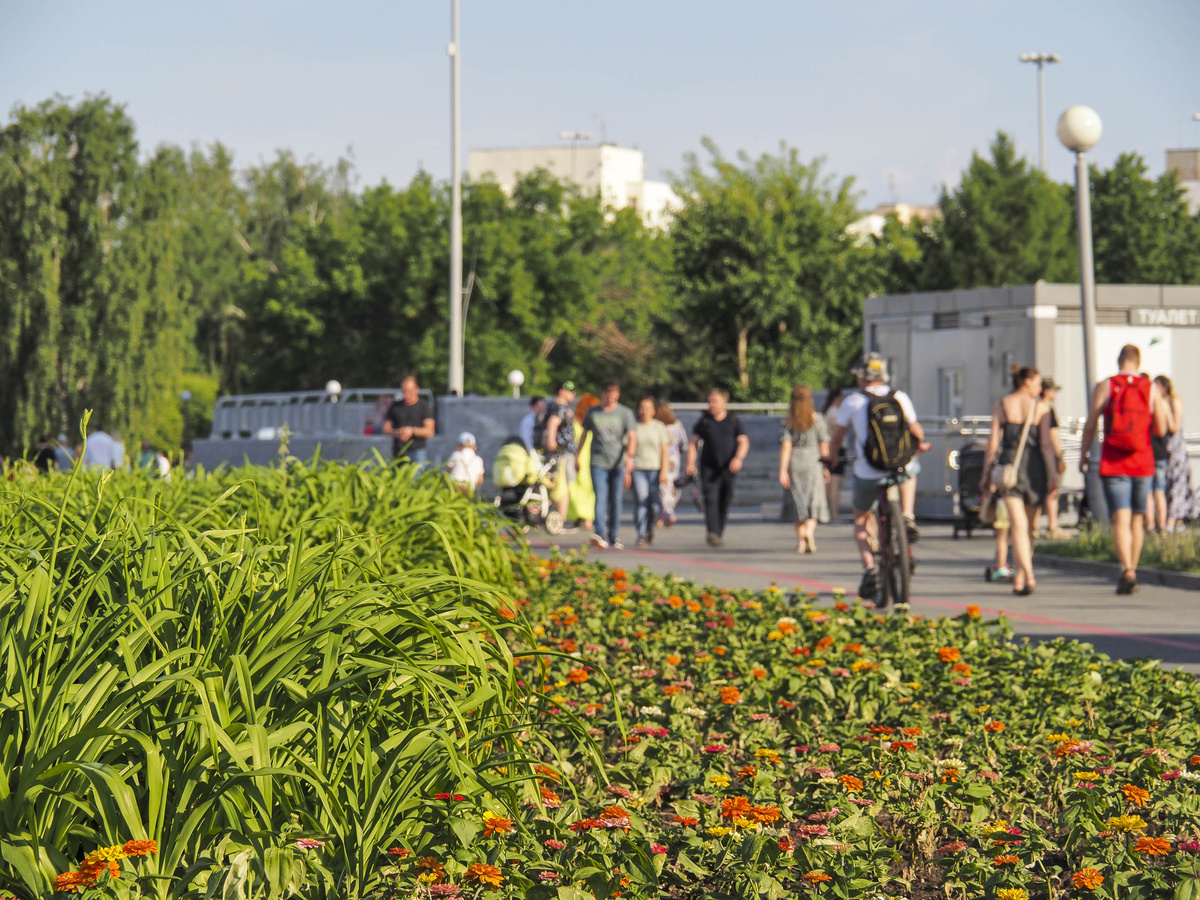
(950, 395)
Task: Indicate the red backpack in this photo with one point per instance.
(1127, 418)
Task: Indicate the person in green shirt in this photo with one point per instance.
(650, 468)
(613, 444)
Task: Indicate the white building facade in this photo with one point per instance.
(617, 174)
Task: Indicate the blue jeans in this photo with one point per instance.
(609, 486)
(645, 489)
(1126, 492)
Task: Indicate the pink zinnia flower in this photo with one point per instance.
(715, 748)
(657, 849)
(828, 748)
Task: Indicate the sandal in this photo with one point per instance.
(1128, 583)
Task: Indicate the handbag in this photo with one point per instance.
(987, 509)
(1004, 475)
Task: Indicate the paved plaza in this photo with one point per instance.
(1158, 622)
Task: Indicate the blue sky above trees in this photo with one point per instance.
(892, 93)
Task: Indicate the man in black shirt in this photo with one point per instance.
(724, 448)
(409, 421)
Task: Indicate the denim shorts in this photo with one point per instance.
(1126, 492)
(1160, 476)
(865, 491)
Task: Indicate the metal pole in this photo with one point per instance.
(1087, 304)
(1041, 116)
(455, 381)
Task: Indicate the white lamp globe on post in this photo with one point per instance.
(1079, 129)
(516, 378)
(333, 389)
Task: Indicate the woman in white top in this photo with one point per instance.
(649, 469)
(677, 441)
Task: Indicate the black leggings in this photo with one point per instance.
(717, 487)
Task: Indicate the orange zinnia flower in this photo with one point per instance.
(994, 726)
(671, 690)
(720, 651)
(484, 874)
(1152, 846)
(824, 642)
(973, 611)
(614, 812)
(1005, 859)
(949, 654)
(747, 772)
(543, 769)
(1135, 795)
(765, 814)
(673, 660)
(735, 808)
(435, 868)
(1090, 879)
(494, 824)
(962, 668)
(140, 848)
(816, 877)
(758, 673)
(730, 695)
(850, 783)
(71, 882)
(577, 676)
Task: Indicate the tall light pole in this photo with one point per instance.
(455, 381)
(1079, 129)
(574, 137)
(1041, 59)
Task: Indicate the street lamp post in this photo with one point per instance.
(1041, 59)
(455, 380)
(1079, 130)
(516, 378)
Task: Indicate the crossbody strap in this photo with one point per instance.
(1024, 435)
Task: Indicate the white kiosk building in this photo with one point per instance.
(952, 351)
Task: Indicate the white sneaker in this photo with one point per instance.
(617, 545)
(600, 542)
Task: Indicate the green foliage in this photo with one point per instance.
(1179, 551)
(230, 663)
(770, 284)
(1140, 227)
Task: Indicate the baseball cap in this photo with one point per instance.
(567, 386)
(871, 367)
(1049, 384)
(467, 439)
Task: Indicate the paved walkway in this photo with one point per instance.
(1158, 622)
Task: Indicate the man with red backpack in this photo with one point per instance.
(1133, 410)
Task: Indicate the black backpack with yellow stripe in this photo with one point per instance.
(888, 444)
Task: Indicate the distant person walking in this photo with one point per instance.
(677, 441)
(1181, 500)
(44, 457)
(409, 420)
(1133, 409)
(465, 467)
(528, 424)
(721, 445)
(837, 470)
(63, 455)
(802, 445)
(1050, 394)
(651, 467)
(558, 439)
(1020, 447)
(101, 451)
(611, 428)
(582, 508)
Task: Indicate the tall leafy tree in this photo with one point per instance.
(1141, 229)
(769, 283)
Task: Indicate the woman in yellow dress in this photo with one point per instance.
(583, 497)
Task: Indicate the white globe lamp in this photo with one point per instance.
(516, 378)
(1079, 129)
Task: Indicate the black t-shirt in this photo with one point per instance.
(400, 414)
(44, 459)
(720, 440)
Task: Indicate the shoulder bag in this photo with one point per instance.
(1004, 475)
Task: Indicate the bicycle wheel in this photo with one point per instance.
(895, 575)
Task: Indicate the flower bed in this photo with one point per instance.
(767, 746)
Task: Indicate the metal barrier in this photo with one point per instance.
(304, 413)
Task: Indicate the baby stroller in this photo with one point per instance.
(524, 481)
(970, 470)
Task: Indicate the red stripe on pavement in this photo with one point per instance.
(943, 604)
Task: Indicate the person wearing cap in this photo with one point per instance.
(871, 371)
(464, 467)
(559, 439)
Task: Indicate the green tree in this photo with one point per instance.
(769, 283)
(1005, 223)
(1141, 228)
(91, 312)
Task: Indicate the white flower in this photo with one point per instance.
(695, 711)
(650, 711)
(845, 620)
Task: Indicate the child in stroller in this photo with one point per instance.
(524, 481)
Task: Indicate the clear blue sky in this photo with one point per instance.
(885, 90)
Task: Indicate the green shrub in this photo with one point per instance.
(231, 663)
